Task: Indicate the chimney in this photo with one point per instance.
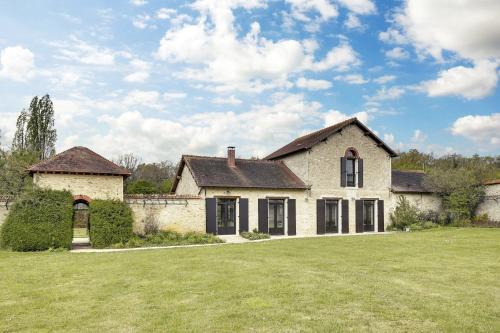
(231, 159)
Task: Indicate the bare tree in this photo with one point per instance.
(128, 161)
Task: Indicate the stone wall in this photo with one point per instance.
(319, 168)
(424, 201)
(187, 184)
(173, 212)
(491, 203)
(93, 186)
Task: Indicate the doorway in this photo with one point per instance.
(81, 219)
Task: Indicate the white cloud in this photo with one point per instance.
(300, 8)
(362, 7)
(384, 79)
(481, 129)
(141, 21)
(312, 84)
(145, 98)
(208, 132)
(397, 53)
(333, 117)
(340, 58)
(138, 2)
(352, 78)
(353, 22)
(387, 94)
(418, 136)
(141, 71)
(7, 128)
(17, 63)
(231, 100)
(217, 55)
(392, 36)
(470, 82)
(469, 28)
(165, 13)
(173, 95)
(389, 138)
(79, 51)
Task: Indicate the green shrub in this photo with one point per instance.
(111, 222)
(407, 215)
(39, 220)
(168, 238)
(254, 235)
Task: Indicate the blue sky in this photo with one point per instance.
(162, 78)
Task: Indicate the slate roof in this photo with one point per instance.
(408, 182)
(79, 160)
(248, 173)
(308, 141)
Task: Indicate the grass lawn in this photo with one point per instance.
(444, 280)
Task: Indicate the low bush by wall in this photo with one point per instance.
(110, 223)
(39, 220)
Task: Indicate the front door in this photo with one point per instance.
(276, 216)
(368, 215)
(332, 216)
(226, 216)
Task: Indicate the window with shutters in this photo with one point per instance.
(331, 216)
(368, 215)
(351, 155)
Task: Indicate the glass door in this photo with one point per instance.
(332, 216)
(276, 216)
(226, 216)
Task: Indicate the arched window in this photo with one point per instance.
(351, 169)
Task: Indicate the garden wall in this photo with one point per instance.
(491, 202)
(181, 213)
(6, 202)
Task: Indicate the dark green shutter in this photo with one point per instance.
(211, 215)
(243, 214)
(320, 216)
(360, 172)
(381, 216)
(359, 216)
(343, 172)
(291, 218)
(345, 216)
(263, 221)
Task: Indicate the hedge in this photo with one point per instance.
(39, 220)
(111, 222)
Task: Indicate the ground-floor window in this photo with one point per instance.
(276, 217)
(332, 216)
(226, 216)
(369, 215)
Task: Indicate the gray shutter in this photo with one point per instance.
(263, 222)
(360, 172)
(211, 215)
(345, 216)
(381, 216)
(320, 216)
(291, 218)
(243, 214)
(343, 172)
(359, 216)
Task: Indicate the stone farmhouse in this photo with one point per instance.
(337, 180)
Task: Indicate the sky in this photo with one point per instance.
(165, 78)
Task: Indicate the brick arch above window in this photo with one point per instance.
(82, 197)
(351, 153)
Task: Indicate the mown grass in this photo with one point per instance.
(444, 280)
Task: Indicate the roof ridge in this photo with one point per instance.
(326, 129)
(224, 158)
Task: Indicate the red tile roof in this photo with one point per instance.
(79, 160)
(308, 141)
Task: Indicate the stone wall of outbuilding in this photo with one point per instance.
(172, 212)
(93, 186)
(423, 201)
(491, 203)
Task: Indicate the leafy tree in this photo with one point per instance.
(141, 187)
(35, 130)
(166, 186)
(14, 178)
